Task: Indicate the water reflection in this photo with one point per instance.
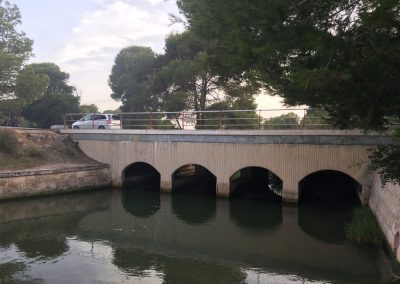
(258, 216)
(12, 272)
(313, 220)
(175, 270)
(135, 262)
(126, 236)
(194, 209)
(141, 203)
(187, 270)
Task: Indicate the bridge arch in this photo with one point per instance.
(330, 186)
(141, 174)
(255, 182)
(195, 179)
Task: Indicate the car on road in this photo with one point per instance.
(98, 121)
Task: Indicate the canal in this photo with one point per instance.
(142, 236)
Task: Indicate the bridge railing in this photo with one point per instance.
(267, 119)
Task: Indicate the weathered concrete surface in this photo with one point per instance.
(385, 203)
(53, 180)
(324, 137)
(287, 154)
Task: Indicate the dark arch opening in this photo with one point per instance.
(141, 175)
(255, 183)
(194, 179)
(326, 201)
(328, 187)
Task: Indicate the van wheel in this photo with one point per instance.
(76, 127)
(102, 127)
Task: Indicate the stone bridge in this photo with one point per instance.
(292, 155)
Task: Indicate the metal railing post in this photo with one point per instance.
(150, 120)
(65, 121)
(220, 119)
(183, 120)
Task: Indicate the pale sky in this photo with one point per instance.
(83, 37)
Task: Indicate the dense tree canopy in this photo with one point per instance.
(59, 97)
(184, 78)
(132, 77)
(88, 108)
(338, 54)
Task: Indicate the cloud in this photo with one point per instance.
(102, 33)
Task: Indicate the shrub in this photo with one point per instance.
(363, 227)
(36, 152)
(8, 142)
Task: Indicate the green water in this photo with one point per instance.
(115, 236)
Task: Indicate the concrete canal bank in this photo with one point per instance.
(53, 179)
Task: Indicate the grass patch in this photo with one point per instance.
(36, 152)
(363, 228)
(20, 149)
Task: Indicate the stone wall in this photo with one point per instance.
(51, 181)
(385, 203)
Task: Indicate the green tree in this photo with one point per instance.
(189, 71)
(229, 115)
(181, 79)
(385, 161)
(51, 109)
(15, 49)
(29, 87)
(118, 110)
(59, 97)
(58, 80)
(317, 119)
(88, 108)
(131, 79)
(337, 54)
(284, 121)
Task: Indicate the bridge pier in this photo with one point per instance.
(222, 189)
(166, 183)
(290, 192)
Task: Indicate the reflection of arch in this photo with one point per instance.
(141, 174)
(141, 203)
(255, 183)
(329, 187)
(195, 179)
(256, 215)
(312, 219)
(194, 210)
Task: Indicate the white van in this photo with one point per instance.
(98, 121)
